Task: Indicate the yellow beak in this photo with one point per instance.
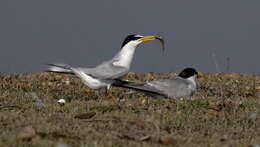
(150, 38)
(201, 75)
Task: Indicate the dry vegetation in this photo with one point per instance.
(224, 112)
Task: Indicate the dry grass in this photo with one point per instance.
(224, 112)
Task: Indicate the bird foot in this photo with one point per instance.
(110, 95)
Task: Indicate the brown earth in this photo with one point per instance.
(224, 112)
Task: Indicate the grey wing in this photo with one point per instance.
(175, 87)
(138, 86)
(106, 71)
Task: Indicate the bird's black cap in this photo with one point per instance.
(130, 38)
(187, 73)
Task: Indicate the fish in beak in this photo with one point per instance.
(150, 38)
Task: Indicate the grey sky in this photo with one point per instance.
(85, 33)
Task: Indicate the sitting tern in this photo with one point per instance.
(104, 74)
(182, 85)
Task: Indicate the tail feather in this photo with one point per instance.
(59, 68)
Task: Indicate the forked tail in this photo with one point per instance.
(59, 68)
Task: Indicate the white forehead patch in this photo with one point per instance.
(139, 36)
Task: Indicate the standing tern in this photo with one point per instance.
(104, 74)
(182, 85)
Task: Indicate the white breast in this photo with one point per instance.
(126, 55)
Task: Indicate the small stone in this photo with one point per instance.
(252, 116)
(145, 138)
(144, 101)
(67, 82)
(61, 101)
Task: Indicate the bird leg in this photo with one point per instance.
(108, 93)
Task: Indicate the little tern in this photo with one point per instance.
(104, 74)
(182, 85)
